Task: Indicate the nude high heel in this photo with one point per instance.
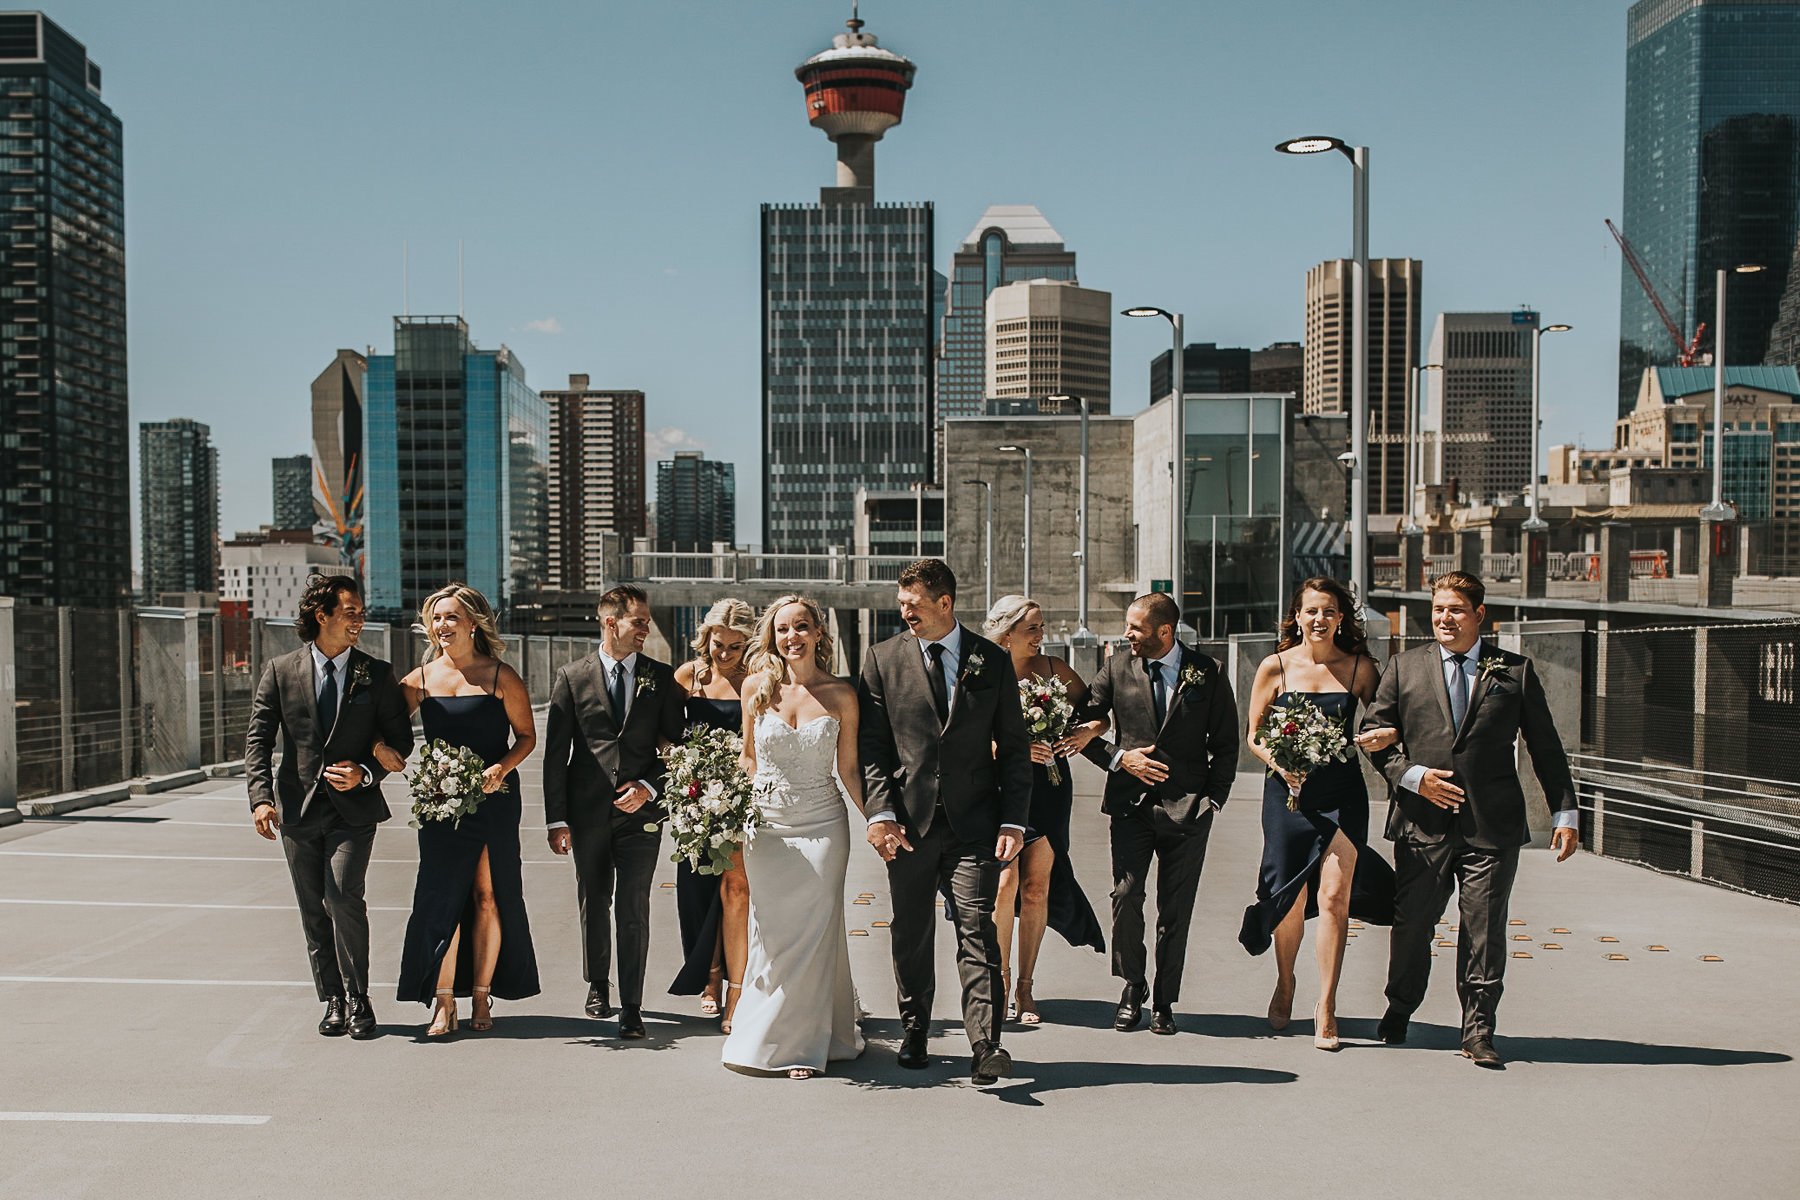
(436, 1030)
(483, 1021)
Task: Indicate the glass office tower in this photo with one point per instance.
(1236, 492)
(847, 362)
(65, 432)
(1712, 172)
(458, 469)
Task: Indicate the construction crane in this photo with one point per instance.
(1687, 352)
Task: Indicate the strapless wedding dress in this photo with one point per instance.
(799, 1007)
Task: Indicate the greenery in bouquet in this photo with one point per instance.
(708, 799)
(446, 785)
(1301, 737)
(1048, 714)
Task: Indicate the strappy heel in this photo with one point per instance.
(1012, 1006)
(485, 1021)
(709, 999)
(1026, 1004)
(435, 1030)
(725, 1025)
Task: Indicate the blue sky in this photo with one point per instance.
(603, 163)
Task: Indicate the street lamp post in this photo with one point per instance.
(1083, 635)
(1178, 452)
(1359, 349)
(1535, 523)
(1026, 451)
(1415, 446)
(987, 541)
(1718, 510)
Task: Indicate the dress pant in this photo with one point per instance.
(329, 862)
(614, 866)
(1180, 852)
(1425, 872)
(969, 874)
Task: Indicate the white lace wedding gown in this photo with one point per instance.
(799, 1007)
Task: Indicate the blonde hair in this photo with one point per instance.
(1005, 616)
(729, 613)
(763, 657)
(485, 635)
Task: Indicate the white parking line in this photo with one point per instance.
(119, 979)
(168, 904)
(117, 1118)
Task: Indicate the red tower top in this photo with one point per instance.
(855, 92)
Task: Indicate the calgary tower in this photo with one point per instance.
(855, 92)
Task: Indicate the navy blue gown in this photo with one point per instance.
(1334, 797)
(698, 905)
(449, 853)
(1070, 914)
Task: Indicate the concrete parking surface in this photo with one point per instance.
(151, 966)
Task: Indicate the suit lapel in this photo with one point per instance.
(1173, 688)
(606, 708)
(919, 673)
(1439, 688)
(962, 675)
(1477, 690)
(300, 681)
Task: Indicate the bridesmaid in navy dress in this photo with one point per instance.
(714, 910)
(468, 934)
(1316, 859)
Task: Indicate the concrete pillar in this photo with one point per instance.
(65, 689)
(1244, 652)
(169, 673)
(1718, 562)
(1615, 562)
(216, 669)
(9, 715)
(1534, 565)
(128, 726)
(1412, 561)
(1469, 549)
(1555, 650)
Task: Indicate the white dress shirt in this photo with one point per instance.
(339, 665)
(1471, 672)
(607, 664)
(951, 664)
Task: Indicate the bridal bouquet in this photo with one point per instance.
(1301, 737)
(711, 813)
(446, 785)
(1048, 714)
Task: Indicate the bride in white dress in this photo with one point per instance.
(798, 1009)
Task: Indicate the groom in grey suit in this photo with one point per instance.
(1456, 812)
(947, 786)
(327, 703)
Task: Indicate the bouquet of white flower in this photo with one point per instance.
(708, 798)
(1301, 737)
(1048, 714)
(446, 785)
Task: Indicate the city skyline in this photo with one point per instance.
(663, 205)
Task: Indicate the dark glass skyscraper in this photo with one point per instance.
(1011, 243)
(1712, 172)
(65, 432)
(290, 485)
(178, 503)
(696, 502)
(457, 472)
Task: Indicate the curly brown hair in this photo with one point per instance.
(1351, 638)
(320, 599)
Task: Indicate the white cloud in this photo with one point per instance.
(545, 325)
(661, 444)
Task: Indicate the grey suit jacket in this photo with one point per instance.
(1197, 740)
(587, 756)
(285, 704)
(977, 764)
(1503, 706)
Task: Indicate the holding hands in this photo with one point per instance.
(888, 839)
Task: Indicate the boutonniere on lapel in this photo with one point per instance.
(1492, 666)
(971, 669)
(646, 682)
(359, 678)
(1192, 676)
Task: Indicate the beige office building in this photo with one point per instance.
(596, 478)
(1048, 337)
(1394, 285)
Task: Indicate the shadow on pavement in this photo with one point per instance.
(1587, 1051)
(1040, 1078)
(665, 1030)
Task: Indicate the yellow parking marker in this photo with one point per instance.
(1515, 921)
(1710, 958)
(882, 924)
(1608, 938)
(1551, 946)
(1657, 949)
(859, 899)
(859, 933)
(1617, 958)
(1564, 932)
(667, 886)
(865, 895)
(1443, 941)
(1516, 953)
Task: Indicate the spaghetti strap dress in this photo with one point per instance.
(698, 906)
(449, 853)
(1333, 798)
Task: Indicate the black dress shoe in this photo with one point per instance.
(1162, 1021)
(913, 1054)
(990, 1063)
(598, 1006)
(1392, 1029)
(332, 1023)
(361, 1018)
(1131, 1008)
(631, 1022)
(1480, 1050)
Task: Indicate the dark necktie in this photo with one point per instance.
(1158, 696)
(1459, 690)
(615, 694)
(328, 697)
(940, 691)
